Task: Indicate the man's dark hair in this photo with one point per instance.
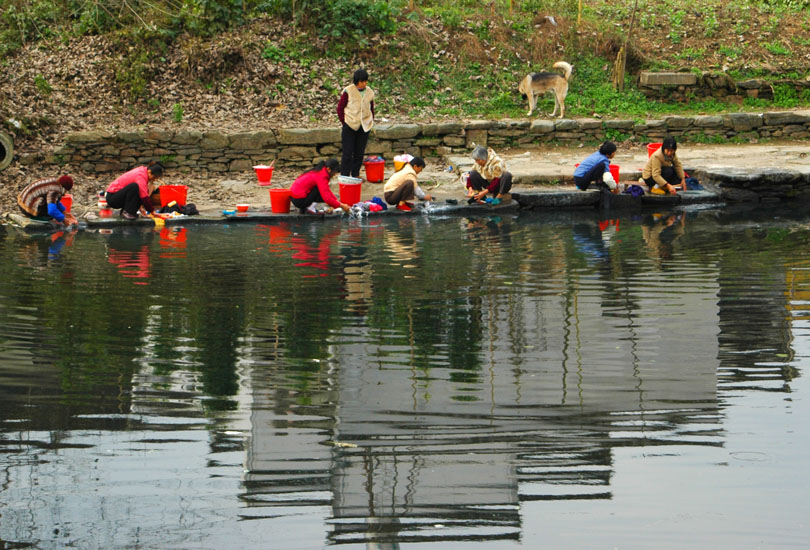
(332, 164)
(607, 148)
(417, 161)
(360, 75)
(669, 143)
(156, 168)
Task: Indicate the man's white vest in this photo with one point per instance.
(358, 111)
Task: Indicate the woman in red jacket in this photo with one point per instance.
(133, 190)
(313, 186)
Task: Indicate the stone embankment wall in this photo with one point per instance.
(685, 86)
(766, 185)
(217, 152)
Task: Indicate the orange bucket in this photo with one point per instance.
(350, 192)
(67, 202)
(169, 193)
(652, 148)
(375, 170)
(264, 173)
(614, 170)
(280, 201)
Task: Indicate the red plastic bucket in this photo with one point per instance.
(280, 201)
(375, 170)
(67, 202)
(350, 192)
(652, 148)
(264, 173)
(169, 193)
(614, 170)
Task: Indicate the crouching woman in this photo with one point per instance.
(402, 187)
(313, 186)
(133, 190)
(488, 177)
(663, 172)
(596, 169)
(42, 200)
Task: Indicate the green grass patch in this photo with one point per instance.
(42, 85)
(776, 48)
(177, 112)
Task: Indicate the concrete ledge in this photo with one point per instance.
(661, 201)
(762, 185)
(610, 201)
(699, 197)
(561, 199)
(647, 78)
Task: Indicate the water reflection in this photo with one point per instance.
(377, 381)
(173, 242)
(129, 252)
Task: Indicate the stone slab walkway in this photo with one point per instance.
(556, 165)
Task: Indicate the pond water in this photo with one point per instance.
(556, 380)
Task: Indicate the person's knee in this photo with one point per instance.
(476, 180)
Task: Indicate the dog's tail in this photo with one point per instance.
(565, 67)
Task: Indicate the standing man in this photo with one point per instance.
(356, 113)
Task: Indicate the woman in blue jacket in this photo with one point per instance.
(596, 169)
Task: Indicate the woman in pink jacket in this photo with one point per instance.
(133, 190)
(313, 186)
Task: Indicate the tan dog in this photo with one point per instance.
(536, 84)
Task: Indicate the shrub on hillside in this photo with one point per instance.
(338, 19)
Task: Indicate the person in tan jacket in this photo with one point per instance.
(664, 170)
(402, 187)
(356, 113)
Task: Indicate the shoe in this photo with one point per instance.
(404, 207)
(127, 216)
(495, 202)
(471, 200)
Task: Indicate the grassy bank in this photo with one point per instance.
(427, 58)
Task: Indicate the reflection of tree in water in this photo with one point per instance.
(754, 301)
(483, 321)
(408, 463)
(82, 353)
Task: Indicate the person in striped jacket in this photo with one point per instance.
(42, 200)
(488, 176)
